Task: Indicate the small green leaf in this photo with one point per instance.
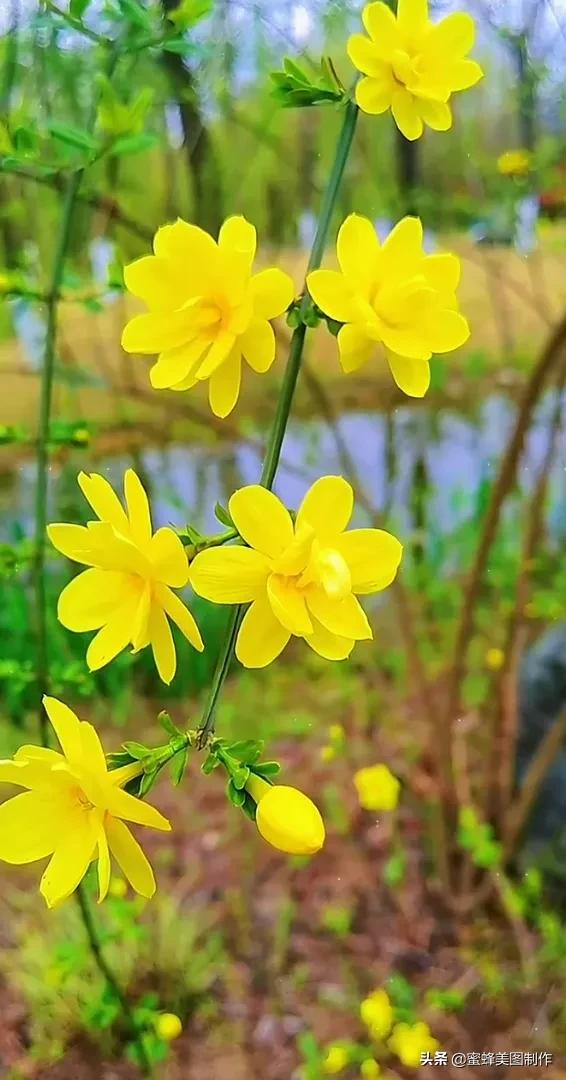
(147, 782)
(247, 750)
(179, 45)
(209, 764)
(190, 12)
(178, 766)
(133, 144)
(77, 8)
(73, 136)
(240, 777)
(221, 514)
(267, 768)
(136, 750)
(136, 14)
(167, 724)
(236, 796)
(394, 869)
(249, 807)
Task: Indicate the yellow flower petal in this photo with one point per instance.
(261, 638)
(375, 95)
(446, 331)
(91, 749)
(168, 559)
(162, 644)
(66, 726)
(329, 646)
(220, 349)
(288, 604)
(71, 859)
(261, 520)
(452, 37)
(408, 341)
(113, 637)
(224, 386)
(104, 501)
(258, 345)
(412, 15)
(237, 234)
(30, 826)
(181, 616)
(177, 365)
(130, 858)
(406, 114)
(381, 26)
(158, 331)
(355, 347)
(401, 254)
(412, 376)
(357, 248)
(464, 74)
(186, 244)
(272, 291)
(156, 283)
(229, 575)
(343, 617)
(103, 865)
(41, 754)
(72, 541)
(88, 601)
(373, 558)
(332, 294)
(437, 114)
(365, 56)
(442, 272)
(327, 506)
(122, 805)
(138, 508)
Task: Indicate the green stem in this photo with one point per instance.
(42, 456)
(277, 434)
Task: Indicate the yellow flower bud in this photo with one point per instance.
(327, 753)
(336, 1060)
(369, 1069)
(286, 818)
(410, 1041)
(117, 887)
(495, 658)
(376, 1012)
(168, 1026)
(377, 787)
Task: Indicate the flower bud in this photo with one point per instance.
(286, 818)
(168, 1026)
(377, 787)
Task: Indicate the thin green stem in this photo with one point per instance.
(42, 456)
(277, 434)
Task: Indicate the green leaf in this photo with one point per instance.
(136, 14)
(147, 782)
(136, 750)
(394, 869)
(77, 8)
(178, 45)
(240, 777)
(167, 724)
(72, 136)
(178, 766)
(236, 796)
(267, 768)
(209, 764)
(25, 140)
(190, 12)
(249, 807)
(221, 514)
(133, 144)
(246, 750)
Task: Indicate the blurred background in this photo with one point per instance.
(265, 958)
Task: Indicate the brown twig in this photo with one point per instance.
(546, 754)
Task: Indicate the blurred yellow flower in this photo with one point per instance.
(410, 1041)
(286, 818)
(393, 295)
(74, 810)
(495, 658)
(117, 888)
(127, 593)
(327, 754)
(514, 162)
(206, 309)
(411, 65)
(377, 787)
(302, 578)
(168, 1026)
(336, 1060)
(377, 1014)
(336, 733)
(370, 1069)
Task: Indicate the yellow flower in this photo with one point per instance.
(391, 294)
(411, 65)
(336, 733)
(126, 594)
(410, 1041)
(286, 818)
(376, 1012)
(377, 787)
(495, 658)
(117, 887)
(514, 163)
(206, 309)
(74, 810)
(301, 579)
(336, 1059)
(327, 754)
(168, 1026)
(370, 1069)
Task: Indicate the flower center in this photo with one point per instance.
(82, 799)
(328, 568)
(402, 66)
